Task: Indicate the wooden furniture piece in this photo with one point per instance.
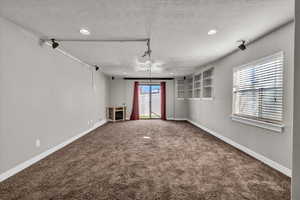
(116, 113)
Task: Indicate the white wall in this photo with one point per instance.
(215, 114)
(44, 95)
(121, 93)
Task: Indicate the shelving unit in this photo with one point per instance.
(200, 85)
(180, 88)
(197, 85)
(190, 87)
(207, 83)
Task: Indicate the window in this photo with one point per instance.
(197, 85)
(258, 90)
(180, 89)
(207, 83)
(190, 87)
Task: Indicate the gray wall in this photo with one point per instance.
(44, 95)
(296, 135)
(121, 93)
(215, 114)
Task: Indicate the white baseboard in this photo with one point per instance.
(177, 119)
(170, 118)
(258, 156)
(39, 157)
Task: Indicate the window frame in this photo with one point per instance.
(269, 124)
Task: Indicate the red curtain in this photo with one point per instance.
(163, 100)
(135, 104)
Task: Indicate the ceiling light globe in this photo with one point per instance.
(212, 32)
(84, 31)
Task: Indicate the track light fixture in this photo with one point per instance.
(148, 52)
(54, 43)
(96, 67)
(242, 46)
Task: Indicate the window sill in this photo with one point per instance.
(180, 99)
(207, 98)
(202, 98)
(266, 125)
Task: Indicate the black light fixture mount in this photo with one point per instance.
(242, 46)
(54, 43)
(96, 67)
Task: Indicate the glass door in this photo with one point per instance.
(144, 101)
(155, 111)
(149, 101)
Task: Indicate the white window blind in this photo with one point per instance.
(258, 89)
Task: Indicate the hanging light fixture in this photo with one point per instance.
(148, 53)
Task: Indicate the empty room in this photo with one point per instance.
(149, 100)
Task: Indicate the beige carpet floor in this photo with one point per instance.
(148, 160)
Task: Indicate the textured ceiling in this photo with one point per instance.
(177, 28)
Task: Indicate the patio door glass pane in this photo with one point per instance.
(149, 101)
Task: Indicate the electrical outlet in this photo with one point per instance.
(37, 143)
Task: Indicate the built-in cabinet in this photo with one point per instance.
(196, 86)
(190, 87)
(180, 89)
(207, 83)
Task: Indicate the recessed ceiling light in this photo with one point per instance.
(84, 31)
(212, 32)
(146, 137)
